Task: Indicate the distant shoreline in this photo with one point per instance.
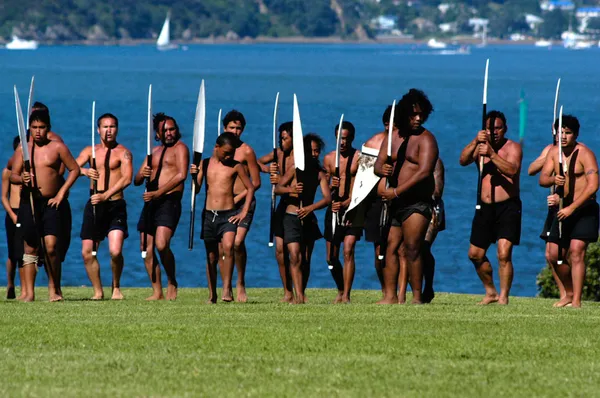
(288, 40)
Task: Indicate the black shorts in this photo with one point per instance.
(162, 212)
(581, 225)
(47, 220)
(278, 219)
(372, 220)
(110, 215)
(299, 231)
(216, 223)
(247, 221)
(341, 231)
(548, 223)
(402, 210)
(496, 221)
(14, 239)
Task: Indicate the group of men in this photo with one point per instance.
(401, 215)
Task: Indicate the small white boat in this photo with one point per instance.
(19, 44)
(543, 43)
(433, 43)
(164, 38)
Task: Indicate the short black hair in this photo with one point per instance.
(288, 127)
(234, 116)
(38, 106)
(405, 107)
(496, 115)
(108, 116)
(347, 126)
(16, 142)
(40, 116)
(228, 139)
(309, 138)
(569, 121)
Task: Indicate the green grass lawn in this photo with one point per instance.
(187, 348)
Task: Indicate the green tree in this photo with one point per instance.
(555, 22)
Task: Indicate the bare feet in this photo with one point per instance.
(346, 299)
(211, 301)
(10, 293)
(241, 294)
(489, 299)
(171, 292)
(416, 302)
(117, 295)
(576, 304)
(338, 298)
(299, 300)
(28, 299)
(563, 302)
(503, 300)
(288, 298)
(55, 297)
(391, 300)
(401, 300)
(155, 297)
(97, 296)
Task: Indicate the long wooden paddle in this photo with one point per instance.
(384, 217)
(149, 164)
(94, 182)
(483, 127)
(275, 160)
(199, 131)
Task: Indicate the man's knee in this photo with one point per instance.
(476, 255)
(239, 246)
(115, 253)
(411, 250)
(86, 254)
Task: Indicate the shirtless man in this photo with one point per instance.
(579, 215)
(300, 224)
(234, 122)
(415, 152)
(346, 234)
(48, 194)
(221, 217)
(499, 219)
(374, 203)
(534, 168)
(113, 174)
(162, 209)
(285, 162)
(11, 198)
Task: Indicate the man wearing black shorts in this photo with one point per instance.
(576, 224)
(499, 218)
(220, 217)
(162, 209)
(277, 169)
(344, 233)
(41, 223)
(300, 224)
(105, 214)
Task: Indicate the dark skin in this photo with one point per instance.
(580, 183)
(50, 157)
(421, 156)
(500, 182)
(120, 177)
(221, 174)
(172, 179)
(281, 254)
(347, 275)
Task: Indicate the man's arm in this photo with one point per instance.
(5, 190)
(536, 166)
(17, 168)
(139, 176)
(324, 202)
(467, 156)
(510, 166)
(263, 162)
(253, 170)
(71, 164)
(283, 186)
(428, 154)
(547, 177)
(83, 159)
(182, 155)
(382, 159)
(439, 177)
(126, 175)
(241, 172)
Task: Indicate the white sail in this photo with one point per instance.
(164, 38)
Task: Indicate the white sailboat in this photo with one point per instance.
(433, 43)
(20, 44)
(164, 38)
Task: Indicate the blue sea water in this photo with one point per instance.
(357, 80)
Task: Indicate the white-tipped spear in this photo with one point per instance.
(94, 182)
(336, 191)
(383, 220)
(561, 172)
(199, 132)
(149, 164)
(30, 100)
(483, 127)
(219, 123)
(556, 96)
(271, 229)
